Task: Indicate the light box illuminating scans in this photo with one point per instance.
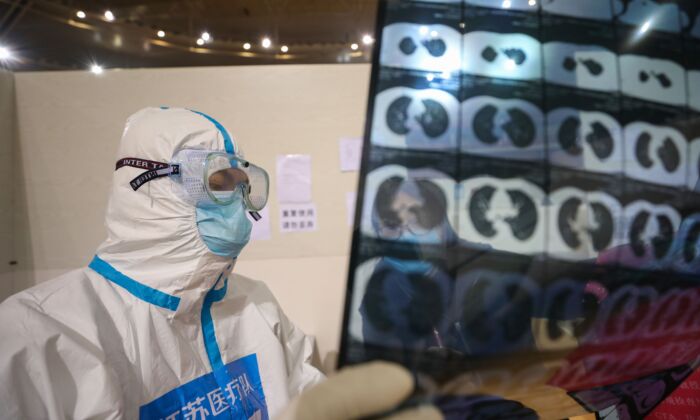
(527, 233)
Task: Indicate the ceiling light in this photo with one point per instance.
(430, 77)
(200, 42)
(284, 48)
(266, 43)
(434, 34)
(109, 16)
(506, 4)
(5, 53)
(354, 46)
(246, 46)
(96, 69)
(80, 14)
(645, 27)
(367, 39)
(532, 2)
(423, 30)
(161, 34)
(205, 36)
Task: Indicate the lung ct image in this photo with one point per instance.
(528, 238)
(502, 128)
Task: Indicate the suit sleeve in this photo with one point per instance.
(299, 351)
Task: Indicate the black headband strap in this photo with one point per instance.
(140, 163)
(155, 170)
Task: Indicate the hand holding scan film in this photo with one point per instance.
(365, 391)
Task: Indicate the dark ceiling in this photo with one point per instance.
(48, 35)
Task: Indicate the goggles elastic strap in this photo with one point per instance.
(137, 182)
(155, 170)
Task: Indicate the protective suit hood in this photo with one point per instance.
(153, 247)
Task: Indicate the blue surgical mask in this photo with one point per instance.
(224, 229)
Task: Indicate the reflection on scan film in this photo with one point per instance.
(402, 304)
(408, 205)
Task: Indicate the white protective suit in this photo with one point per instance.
(157, 326)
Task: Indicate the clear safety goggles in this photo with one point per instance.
(204, 177)
(218, 177)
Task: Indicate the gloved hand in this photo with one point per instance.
(359, 391)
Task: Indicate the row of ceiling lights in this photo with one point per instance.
(205, 37)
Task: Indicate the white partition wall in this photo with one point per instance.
(7, 182)
(69, 125)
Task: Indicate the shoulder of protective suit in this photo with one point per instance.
(49, 343)
(47, 292)
(68, 300)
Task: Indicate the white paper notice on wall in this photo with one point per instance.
(298, 218)
(350, 154)
(293, 179)
(261, 229)
(350, 198)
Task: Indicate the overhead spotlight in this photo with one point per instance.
(266, 42)
(109, 16)
(206, 37)
(645, 27)
(96, 69)
(246, 46)
(80, 14)
(532, 2)
(161, 34)
(430, 77)
(354, 46)
(5, 54)
(434, 34)
(200, 42)
(506, 4)
(284, 48)
(367, 39)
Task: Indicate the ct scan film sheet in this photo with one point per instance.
(527, 236)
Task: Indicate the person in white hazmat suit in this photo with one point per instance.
(158, 327)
